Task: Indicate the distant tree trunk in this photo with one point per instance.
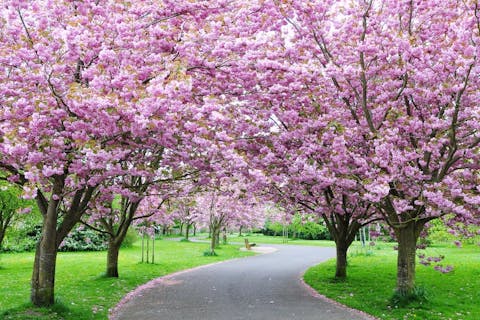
(2, 236)
(5, 220)
(213, 240)
(224, 235)
(343, 230)
(194, 229)
(181, 228)
(240, 231)
(112, 258)
(187, 230)
(217, 237)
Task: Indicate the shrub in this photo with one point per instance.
(84, 240)
(130, 238)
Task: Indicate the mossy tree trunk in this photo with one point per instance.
(407, 237)
(407, 227)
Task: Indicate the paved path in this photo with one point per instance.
(262, 287)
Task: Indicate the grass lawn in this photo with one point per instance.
(260, 238)
(372, 277)
(81, 290)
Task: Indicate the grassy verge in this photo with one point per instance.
(260, 238)
(372, 276)
(82, 292)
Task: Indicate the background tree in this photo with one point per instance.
(11, 205)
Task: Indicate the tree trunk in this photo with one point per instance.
(240, 231)
(2, 236)
(341, 267)
(224, 236)
(213, 240)
(187, 230)
(343, 230)
(194, 230)
(217, 238)
(43, 277)
(112, 259)
(407, 246)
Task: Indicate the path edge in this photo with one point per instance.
(314, 293)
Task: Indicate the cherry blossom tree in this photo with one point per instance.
(222, 203)
(398, 81)
(184, 213)
(391, 88)
(78, 92)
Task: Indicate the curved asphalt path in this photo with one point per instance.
(262, 287)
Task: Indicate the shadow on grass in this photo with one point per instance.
(337, 280)
(28, 311)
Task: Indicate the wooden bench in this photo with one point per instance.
(249, 245)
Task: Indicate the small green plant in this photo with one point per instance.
(184, 240)
(208, 253)
(400, 299)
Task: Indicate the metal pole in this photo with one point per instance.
(143, 245)
(153, 247)
(148, 249)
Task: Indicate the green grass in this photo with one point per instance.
(260, 238)
(372, 277)
(82, 291)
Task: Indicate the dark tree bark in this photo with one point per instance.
(342, 229)
(341, 265)
(112, 259)
(117, 231)
(5, 220)
(343, 226)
